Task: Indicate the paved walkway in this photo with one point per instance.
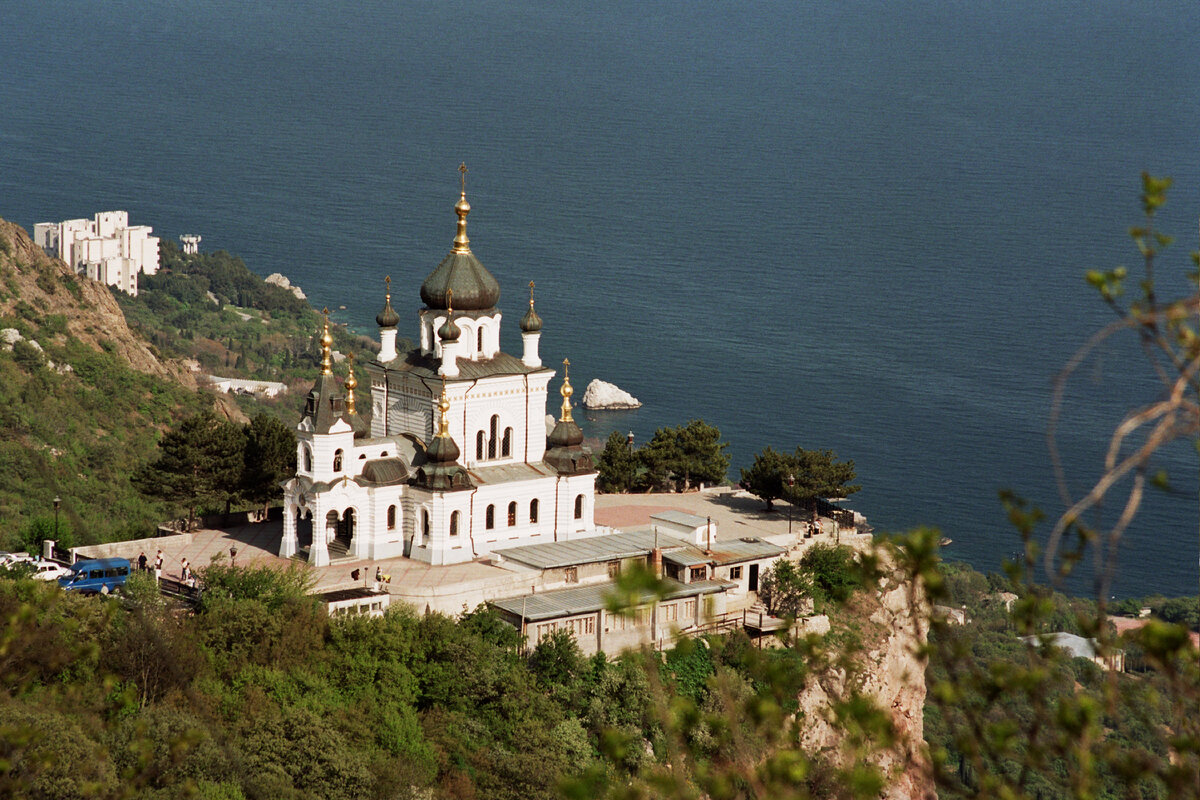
(456, 587)
(735, 512)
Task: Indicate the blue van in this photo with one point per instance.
(96, 576)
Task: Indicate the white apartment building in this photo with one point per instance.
(105, 248)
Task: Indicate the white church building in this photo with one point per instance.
(450, 459)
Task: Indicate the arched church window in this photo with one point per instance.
(506, 443)
(492, 438)
(489, 519)
(337, 460)
(578, 506)
(425, 523)
(533, 510)
(512, 514)
(307, 459)
(454, 523)
(479, 340)
(479, 438)
(391, 517)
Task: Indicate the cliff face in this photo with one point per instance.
(887, 669)
(33, 284)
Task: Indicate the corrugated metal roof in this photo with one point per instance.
(731, 551)
(680, 518)
(593, 598)
(686, 557)
(608, 547)
(1077, 646)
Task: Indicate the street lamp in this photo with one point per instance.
(629, 439)
(57, 503)
(791, 482)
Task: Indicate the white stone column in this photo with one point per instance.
(387, 345)
(449, 366)
(318, 554)
(290, 543)
(531, 357)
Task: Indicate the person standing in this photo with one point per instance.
(186, 572)
(233, 555)
(142, 562)
(158, 564)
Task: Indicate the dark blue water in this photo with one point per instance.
(856, 225)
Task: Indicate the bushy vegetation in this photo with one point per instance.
(210, 307)
(258, 695)
(78, 435)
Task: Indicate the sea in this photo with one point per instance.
(860, 226)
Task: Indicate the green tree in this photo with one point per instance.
(682, 457)
(270, 459)
(199, 462)
(616, 464)
(819, 475)
(799, 477)
(783, 588)
(767, 477)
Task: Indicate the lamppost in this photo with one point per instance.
(791, 482)
(629, 439)
(57, 503)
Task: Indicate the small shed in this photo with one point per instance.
(681, 525)
(359, 601)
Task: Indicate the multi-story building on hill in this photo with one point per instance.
(105, 248)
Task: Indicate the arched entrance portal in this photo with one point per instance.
(304, 529)
(340, 532)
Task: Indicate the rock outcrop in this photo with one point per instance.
(602, 395)
(888, 670)
(281, 280)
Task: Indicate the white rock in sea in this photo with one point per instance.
(600, 394)
(282, 282)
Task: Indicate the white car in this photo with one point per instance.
(49, 571)
(10, 560)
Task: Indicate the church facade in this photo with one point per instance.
(451, 458)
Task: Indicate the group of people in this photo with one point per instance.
(143, 563)
(186, 576)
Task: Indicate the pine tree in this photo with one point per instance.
(199, 462)
(616, 464)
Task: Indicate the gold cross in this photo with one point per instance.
(450, 301)
(388, 281)
(531, 294)
(463, 169)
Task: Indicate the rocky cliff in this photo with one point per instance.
(878, 638)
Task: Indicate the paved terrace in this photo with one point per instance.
(452, 589)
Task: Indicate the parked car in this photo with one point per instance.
(49, 570)
(96, 576)
(10, 560)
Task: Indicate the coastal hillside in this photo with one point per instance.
(82, 401)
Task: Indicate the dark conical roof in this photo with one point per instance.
(531, 322)
(388, 318)
(473, 287)
(565, 434)
(449, 332)
(442, 450)
(460, 273)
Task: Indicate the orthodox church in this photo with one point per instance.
(451, 459)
